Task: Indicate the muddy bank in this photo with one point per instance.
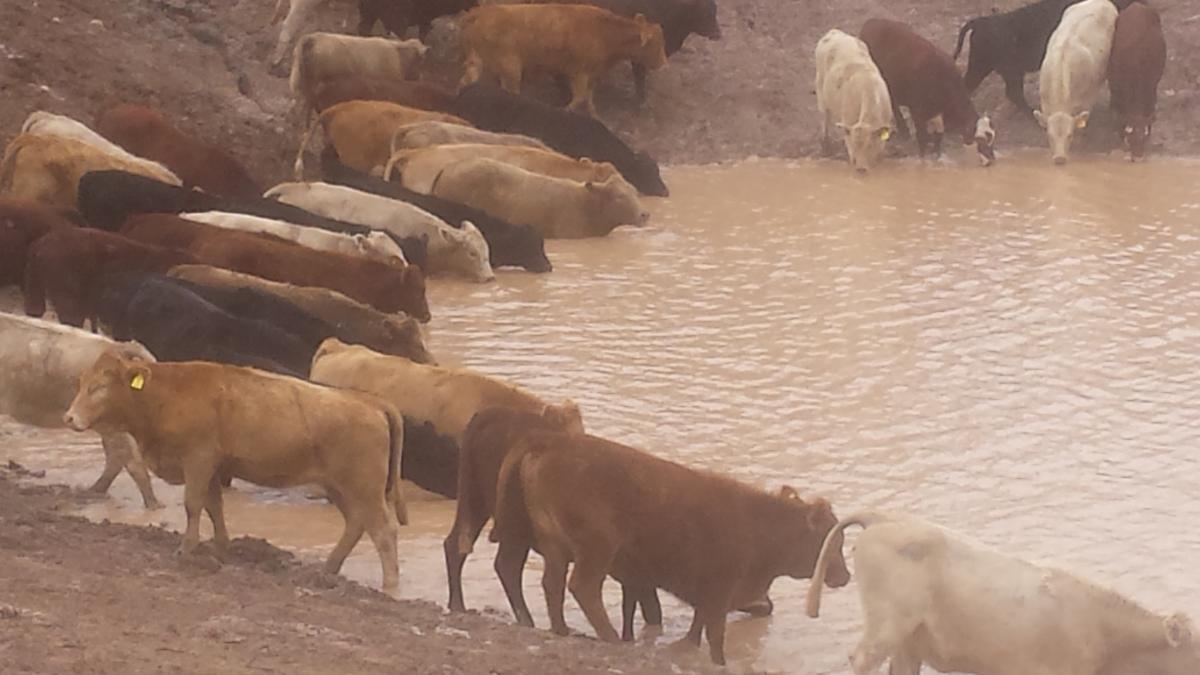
(83, 597)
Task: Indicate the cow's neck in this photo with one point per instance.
(774, 522)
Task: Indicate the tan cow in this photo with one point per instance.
(930, 596)
(555, 207)
(48, 168)
(425, 134)
(361, 131)
(327, 57)
(40, 365)
(446, 397)
(49, 124)
(371, 245)
(578, 41)
(420, 168)
(195, 419)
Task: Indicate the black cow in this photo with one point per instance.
(429, 459)
(398, 15)
(107, 198)
(509, 245)
(489, 107)
(176, 324)
(1012, 44)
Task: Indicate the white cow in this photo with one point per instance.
(298, 13)
(40, 365)
(425, 134)
(931, 597)
(50, 124)
(375, 245)
(852, 96)
(1074, 71)
(459, 251)
(323, 57)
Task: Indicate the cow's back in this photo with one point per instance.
(1076, 60)
(1138, 58)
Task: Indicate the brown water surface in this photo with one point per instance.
(1011, 352)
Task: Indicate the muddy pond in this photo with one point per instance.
(1012, 352)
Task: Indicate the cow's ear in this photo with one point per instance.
(789, 492)
(819, 510)
(1041, 119)
(136, 375)
(1081, 119)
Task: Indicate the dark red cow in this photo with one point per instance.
(22, 223)
(1139, 54)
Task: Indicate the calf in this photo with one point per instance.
(509, 245)
(361, 131)
(929, 596)
(48, 168)
(193, 420)
(408, 93)
(577, 41)
(385, 286)
(713, 542)
(1139, 54)
(349, 320)
(1074, 71)
(40, 365)
(450, 250)
(49, 124)
(69, 267)
(420, 168)
(426, 134)
(490, 107)
(852, 96)
(372, 245)
(398, 15)
(555, 207)
(923, 78)
(22, 223)
(322, 58)
(145, 132)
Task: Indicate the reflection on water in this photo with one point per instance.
(1012, 352)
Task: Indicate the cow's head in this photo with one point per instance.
(984, 140)
(615, 201)
(470, 251)
(1060, 127)
(643, 172)
(864, 144)
(652, 52)
(406, 292)
(405, 334)
(816, 522)
(1135, 135)
(703, 16)
(109, 389)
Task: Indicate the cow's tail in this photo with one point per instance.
(298, 167)
(962, 35)
(8, 165)
(33, 287)
(394, 491)
(865, 520)
(511, 515)
(301, 55)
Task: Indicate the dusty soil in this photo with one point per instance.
(204, 63)
(84, 597)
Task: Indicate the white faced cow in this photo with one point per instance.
(852, 96)
(931, 597)
(1074, 71)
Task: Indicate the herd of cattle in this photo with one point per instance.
(273, 335)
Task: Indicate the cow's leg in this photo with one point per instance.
(629, 603)
(114, 461)
(472, 69)
(899, 122)
(828, 147)
(457, 546)
(382, 529)
(216, 513)
(136, 467)
(554, 585)
(510, 73)
(975, 75)
(350, 535)
(905, 662)
(581, 93)
(920, 122)
(695, 630)
(510, 566)
(298, 12)
(714, 630)
(1014, 89)
(198, 474)
(639, 81)
(587, 585)
(883, 638)
(651, 607)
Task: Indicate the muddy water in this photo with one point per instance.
(1012, 352)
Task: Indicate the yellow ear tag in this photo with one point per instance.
(1080, 123)
(884, 134)
(137, 382)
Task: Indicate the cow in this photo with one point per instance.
(387, 287)
(1135, 66)
(580, 42)
(489, 107)
(361, 131)
(677, 18)
(351, 321)
(40, 365)
(715, 543)
(929, 596)
(49, 124)
(852, 96)
(372, 245)
(192, 420)
(298, 13)
(408, 93)
(48, 168)
(145, 132)
(176, 324)
(398, 15)
(22, 223)
(446, 397)
(107, 198)
(69, 267)
(509, 245)
(450, 250)
(924, 79)
(555, 207)
(419, 168)
(1074, 70)
(322, 58)
(426, 134)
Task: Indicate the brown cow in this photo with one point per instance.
(412, 94)
(22, 223)
(361, 131)
(146, 133)
(386, 286)
(924, 79)
(715, 543)
(578, 41)
(68, 267)
(194, 421)
(1135, 65)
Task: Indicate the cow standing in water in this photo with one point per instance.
(1139, 54)
(852, 96)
